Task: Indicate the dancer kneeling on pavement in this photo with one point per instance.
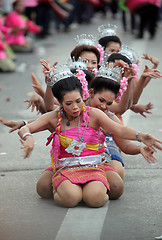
(77, 156)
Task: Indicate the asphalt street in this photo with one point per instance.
(137, 215)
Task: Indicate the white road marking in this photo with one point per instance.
(83, 223)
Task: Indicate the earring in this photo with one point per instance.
(61, 109)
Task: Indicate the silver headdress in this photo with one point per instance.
(106, 30)
(130, 53)
(80, 63)
(58, 73)
(113, 73)
(85, 39)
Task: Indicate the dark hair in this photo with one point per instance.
(89, 75)
(76, 52)
(118, 56)
(104, 41)
(15, 3)
(100, 83)
(63, 86)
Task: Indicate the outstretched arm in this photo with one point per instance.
(129, 147)
(49, 99)
(13, 125)
(36, 102)
(142, 109)
(155, 63)
(148, 72)
(124, 132)
(48, 121)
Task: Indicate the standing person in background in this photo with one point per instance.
(124, 10)
(114, 7)
(43, 14)
(148, 12)
(31, 9)
(70, 7)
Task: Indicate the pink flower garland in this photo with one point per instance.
(82, 77)
(95, 70)
(123, 88)
(101, 50)
(136, 69)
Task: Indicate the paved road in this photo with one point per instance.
(137, 215)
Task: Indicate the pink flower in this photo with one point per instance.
(95, 70)
(136, 69)
(82, 77)
(101, 50)
(123, 88)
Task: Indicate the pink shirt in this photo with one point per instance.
(2, 49)
(133, 4)
(30, 3)
(16, 20)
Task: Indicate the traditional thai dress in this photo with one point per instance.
(6, 64)
(18, 40)
(88, 166)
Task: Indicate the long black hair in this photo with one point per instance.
(89, 75)
(99, 84)
(65, 85)
(118, 56)
(104, 41)
(77, 51)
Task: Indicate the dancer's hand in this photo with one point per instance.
(151, 72)
(141, 109)
(147, 153)
(34, 102)
(11, 124)
(154, 60)
(150, 141)
(47, 67)
(37, 87)
(129, 73)
(27, 146)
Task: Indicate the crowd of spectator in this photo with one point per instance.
(20, 17)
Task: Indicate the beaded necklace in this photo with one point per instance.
(76, 147)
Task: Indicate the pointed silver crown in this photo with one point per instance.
(85, 39)
(80, 63)
(107, 30)
(58, 73)
(113, 73)
(130, 53)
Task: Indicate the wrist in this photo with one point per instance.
(25, 122)
(138, 136)
(25, 135)
(139, 149)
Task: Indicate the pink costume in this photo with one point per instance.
(88, 166)
(133, 4)
(16, 20)
(2, 49)
(4, 30)
(30, 3)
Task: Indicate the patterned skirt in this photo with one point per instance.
(81, 175)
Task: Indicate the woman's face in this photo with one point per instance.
(19, 8)
(72, 103)
(113, 47)
(102, 100)
(91, 59)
